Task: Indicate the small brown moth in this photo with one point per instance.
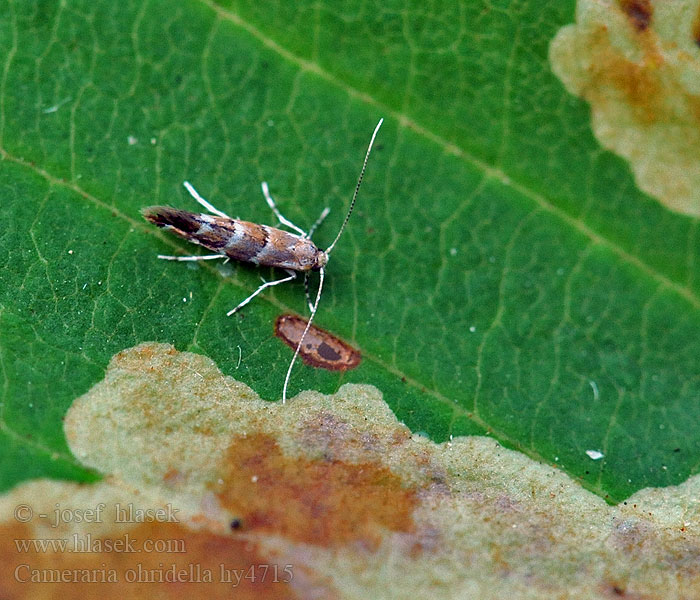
(258, 244)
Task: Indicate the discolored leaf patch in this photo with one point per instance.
(321, 502)
(636, 62)
(320, 348)
(333, 487)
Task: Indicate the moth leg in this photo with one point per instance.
(278, 214)
(267, 284)
(320, 220)
(210, 207)
(188, 258)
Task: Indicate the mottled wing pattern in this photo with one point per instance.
(239, 240)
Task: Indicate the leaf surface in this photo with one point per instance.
(502, 274)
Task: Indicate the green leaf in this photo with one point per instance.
(501, 273)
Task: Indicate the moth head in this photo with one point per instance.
(321, 261)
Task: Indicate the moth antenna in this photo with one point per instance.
(322, 271)
(357, 187)
(303, 335)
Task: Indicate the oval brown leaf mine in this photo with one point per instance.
(320, 348)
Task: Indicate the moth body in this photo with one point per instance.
(240, 240)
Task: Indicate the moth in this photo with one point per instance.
(233, 239)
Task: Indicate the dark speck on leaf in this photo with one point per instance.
(639, 13)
